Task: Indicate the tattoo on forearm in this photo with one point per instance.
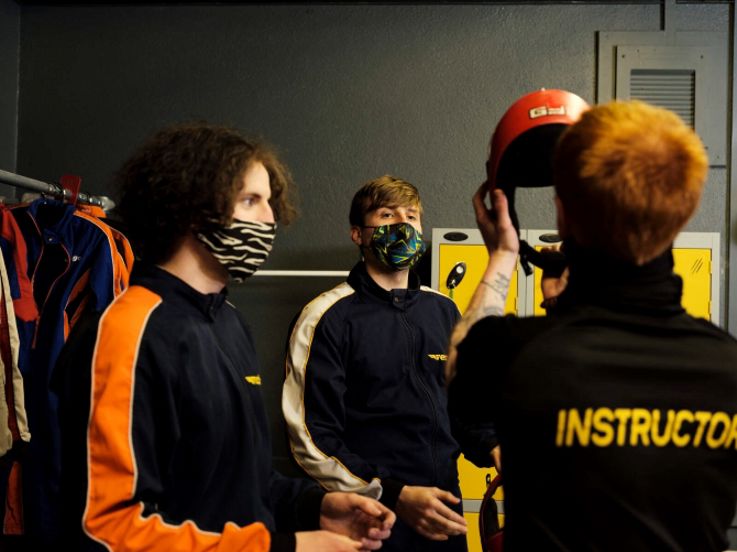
(500, 285)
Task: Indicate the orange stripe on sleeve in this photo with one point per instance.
(110, 516)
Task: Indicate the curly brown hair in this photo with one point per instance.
(184, 179)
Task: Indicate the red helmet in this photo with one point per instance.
(523, 142)
(522, 146)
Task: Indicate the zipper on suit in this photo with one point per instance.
(418, 376)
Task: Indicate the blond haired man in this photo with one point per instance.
(364, 398)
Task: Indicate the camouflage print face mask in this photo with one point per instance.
(398, 246)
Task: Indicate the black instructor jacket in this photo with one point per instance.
(616, 414)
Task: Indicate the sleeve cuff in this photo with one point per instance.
(489, 442)
(308, 508)
(390, 492)
(283, 542)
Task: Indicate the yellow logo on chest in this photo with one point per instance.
(253, 380)
(439, 357)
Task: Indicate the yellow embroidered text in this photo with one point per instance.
(621, 427)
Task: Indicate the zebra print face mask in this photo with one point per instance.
(241, 247)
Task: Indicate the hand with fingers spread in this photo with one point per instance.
(363, 519)
(426, 511)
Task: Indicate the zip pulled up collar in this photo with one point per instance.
(170, 287)
(360, 280)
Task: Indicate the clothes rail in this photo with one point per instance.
(318, 273)
(54, 190)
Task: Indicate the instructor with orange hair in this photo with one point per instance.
(616, 412)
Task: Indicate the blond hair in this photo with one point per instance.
(385, 191)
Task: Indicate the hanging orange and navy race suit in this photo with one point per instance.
(75, 264)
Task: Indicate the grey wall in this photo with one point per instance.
(9, 60)
(347, 93)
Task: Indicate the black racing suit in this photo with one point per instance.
(178, 443)
(616, 415)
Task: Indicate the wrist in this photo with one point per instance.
(391, 490)
(309, 508)
(514, 253)
(283, 542)
(501, 254)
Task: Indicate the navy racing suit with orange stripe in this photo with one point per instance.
(178, 454)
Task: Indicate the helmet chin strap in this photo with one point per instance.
(552, 263)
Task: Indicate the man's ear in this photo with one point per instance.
(356, 235)
(561, 218)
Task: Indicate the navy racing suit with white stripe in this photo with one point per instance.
(364, 397)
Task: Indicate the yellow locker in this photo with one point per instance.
(693, 265)
(476, 257)
(472, 479)
(473, 487)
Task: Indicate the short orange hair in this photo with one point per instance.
(629, 176)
